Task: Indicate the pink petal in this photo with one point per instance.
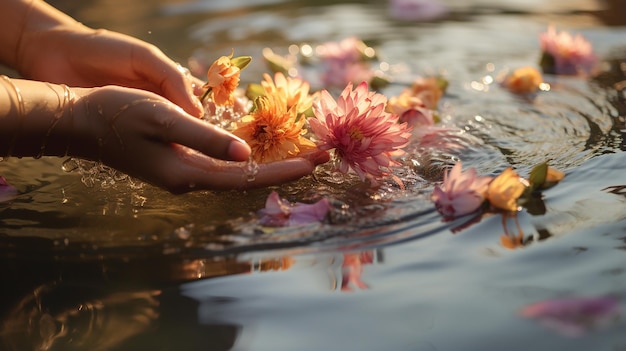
(309, 213)
(278, 213)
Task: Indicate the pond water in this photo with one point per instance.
(116, 266)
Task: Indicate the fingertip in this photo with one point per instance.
(320, 157)
(197, 109)
(238, 150)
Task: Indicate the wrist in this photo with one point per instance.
(36, 118)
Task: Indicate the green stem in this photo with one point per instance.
(206, 93)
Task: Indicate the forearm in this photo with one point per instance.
(36, 118)
(21, 21)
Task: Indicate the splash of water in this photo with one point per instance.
(93, 173)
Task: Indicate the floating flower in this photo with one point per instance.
(565, 54)
(352, 269)
(418, 118)
(505, 189)
(346, 62)
(415, 105)
(279, 213)
(523, 80)
(7, 192)
(411, 110)
(350, 49)
(272, 131)
(574, 316)
(416, 10)
(461, 192)
(363, 135)
(429, 90)
(223, 78)
(294, 91)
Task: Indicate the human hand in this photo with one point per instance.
(148, 137)
(76, 55)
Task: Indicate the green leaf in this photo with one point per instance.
(241, 61)
(547, 63)
(538, 176)
(378, 82)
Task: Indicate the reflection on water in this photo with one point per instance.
(105, 308)
(118, 267)
(46, 320)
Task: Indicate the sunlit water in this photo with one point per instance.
(125, 266)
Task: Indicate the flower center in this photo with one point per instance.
(355, 133)
(261, 134)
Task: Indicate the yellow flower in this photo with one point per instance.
(523, 80)
(505, 189)
(294, 91)
(222, 80)
(273, 132)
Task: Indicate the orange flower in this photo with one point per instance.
(429, 90)
(273, 132)
(424, 93)
(523, 80)
(552, 177)
(505, 189)
(223, 79)
(294, 91)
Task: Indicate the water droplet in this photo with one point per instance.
(251, 169)
(69, 165)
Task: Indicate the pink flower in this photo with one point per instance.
(418, 118)
(566, 54)
(411, 109)
(339, 73)
(416, 10)
(349, 49)
(574, 316)
(363, 135)
(279, 213)
(7, 192)
(345, 62)
(460, 193)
